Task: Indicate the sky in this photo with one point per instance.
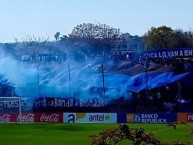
(21, 19)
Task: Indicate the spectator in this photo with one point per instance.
(179, 91)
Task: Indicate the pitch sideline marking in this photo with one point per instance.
(163, 129)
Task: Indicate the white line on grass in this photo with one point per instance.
(164, 129)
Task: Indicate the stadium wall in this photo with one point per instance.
(73, 117)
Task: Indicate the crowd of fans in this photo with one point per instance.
(168, 98)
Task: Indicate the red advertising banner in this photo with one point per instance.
(49, 117)
(32, 117)
(131, 118)
(14, 117)
(182, 117)
(189, 117)
(26, 117)
(6, 118)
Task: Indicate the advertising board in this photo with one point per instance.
(6, 118)
(49, 117)
(15, 117)
(130, 118)
(182, 117)
(26, 117)
(172, 53)
(185, 117)
(189, 117)
(90, 117)
(155, 118)
(121, 117)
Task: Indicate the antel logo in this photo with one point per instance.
(98, 117)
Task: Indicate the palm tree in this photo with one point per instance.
(56, 36)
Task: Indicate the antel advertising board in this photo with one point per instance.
(90, 117)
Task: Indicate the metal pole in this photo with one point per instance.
(146, 67)
(38, 81)
(20, 121)
(1, 85)
(69, 76)
(103, 80)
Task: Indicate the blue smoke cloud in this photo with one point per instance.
(75, 79)
(52, 79)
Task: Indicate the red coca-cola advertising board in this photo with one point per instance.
(26, 117)
(32, 117)
(6, 118)
(15, 117)
(49, 117)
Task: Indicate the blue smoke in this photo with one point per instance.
(75, 79)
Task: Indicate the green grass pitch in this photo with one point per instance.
(77, 134)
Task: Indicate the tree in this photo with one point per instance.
(97, 35)
(165, 38)
(57, 35)
(182, 39)
(158, 38)
(63, 38)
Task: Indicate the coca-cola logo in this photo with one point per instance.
(5, 118)
(49, 118)
(26, 117)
